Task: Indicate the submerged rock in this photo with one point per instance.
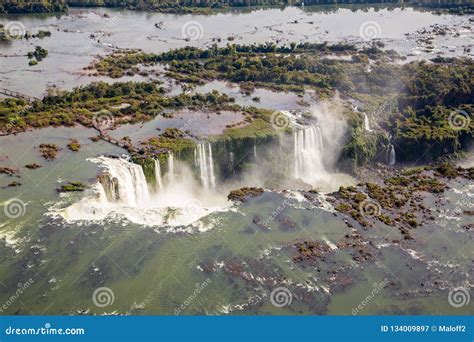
(9, 171)
(32, 166)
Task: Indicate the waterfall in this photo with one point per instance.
(170, 167)
(391, 158)
(158, 180)
(308, 153)
(366, 123)
(254, 150)
(204, 161)
(122, 191)
(101, 194)
(124, 182)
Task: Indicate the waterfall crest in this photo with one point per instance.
(175, 200)
(124, 182)
(204, 161)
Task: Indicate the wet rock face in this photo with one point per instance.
(110, 185)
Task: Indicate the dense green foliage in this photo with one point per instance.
(120, 103)
(425, 94)
(35, 6)
(38, 54)
(429, 96)
(269, 65)
(184, 6)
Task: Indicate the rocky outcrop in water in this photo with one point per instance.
(243, 194)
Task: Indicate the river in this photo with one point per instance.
(222, 261)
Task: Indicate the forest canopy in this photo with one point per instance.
(44, 6)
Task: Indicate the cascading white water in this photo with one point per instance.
(122, 190)
(367, 123)
(158, 178)
(129, 179)
(308, 153)
(204, 161)
(170, 167)
(391, 158)
(102, 196)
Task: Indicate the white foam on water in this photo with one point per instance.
(179, 201)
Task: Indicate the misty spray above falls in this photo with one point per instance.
(313, 148)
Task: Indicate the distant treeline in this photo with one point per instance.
(45, 6)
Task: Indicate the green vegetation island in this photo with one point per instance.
(422, 96)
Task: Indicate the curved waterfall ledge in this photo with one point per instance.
(174, 199)
(180, 188)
